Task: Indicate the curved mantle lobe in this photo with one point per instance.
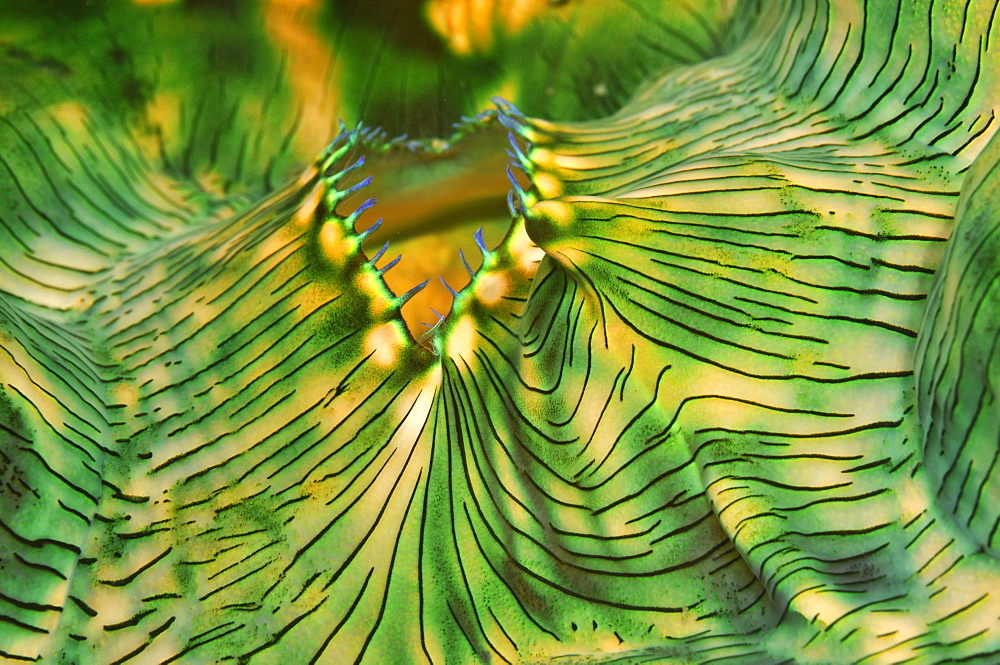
(693, 403)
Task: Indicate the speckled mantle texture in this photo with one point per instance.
(716, 383)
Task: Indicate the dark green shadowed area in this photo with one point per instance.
(398, 74)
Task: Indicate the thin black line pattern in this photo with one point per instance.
(697, 422)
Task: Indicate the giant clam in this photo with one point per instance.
(718, 383)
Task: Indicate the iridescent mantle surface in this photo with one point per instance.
(718, 384)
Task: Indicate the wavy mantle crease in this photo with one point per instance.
(725, 391)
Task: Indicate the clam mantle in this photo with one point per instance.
(719, 387)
